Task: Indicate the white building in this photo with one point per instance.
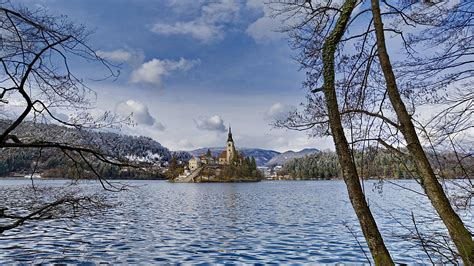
(194, 163)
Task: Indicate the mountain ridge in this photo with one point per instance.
(284, 157)
(121, 144)
(263, 157)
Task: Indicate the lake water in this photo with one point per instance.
(271, 221)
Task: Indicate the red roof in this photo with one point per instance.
(223, 154)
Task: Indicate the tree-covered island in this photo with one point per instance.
(229, 166)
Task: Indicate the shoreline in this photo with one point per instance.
(209, 181)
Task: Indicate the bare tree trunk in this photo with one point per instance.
(461, 237)
(367, 222)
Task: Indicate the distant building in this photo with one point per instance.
(265, 170)
(194, 163)
(229, 153)
(225, 157)
(204, 159)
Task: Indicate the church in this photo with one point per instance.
(224, 158)
(228, 154)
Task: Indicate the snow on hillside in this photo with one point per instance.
(136, 148)
(282, 158)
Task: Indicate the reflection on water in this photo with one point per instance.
(281, 222)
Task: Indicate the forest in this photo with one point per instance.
(241, 168)
(376, 164)
(151, 157)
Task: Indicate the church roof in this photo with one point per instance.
(195, 159)
(229, 135)
(223, 154)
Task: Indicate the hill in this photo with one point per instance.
(375, 163)
(134, 148)
(282, 158)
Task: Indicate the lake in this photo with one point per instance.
(271, 221)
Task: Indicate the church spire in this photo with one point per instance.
(229, 135)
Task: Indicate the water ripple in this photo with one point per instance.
(267, 222)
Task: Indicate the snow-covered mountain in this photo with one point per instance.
(135, 148)
(282, 158)
(261, 156)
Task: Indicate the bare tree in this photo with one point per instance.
(33, 203)
(36, 71)
(369, 114)
(461, 237)
(319, 36)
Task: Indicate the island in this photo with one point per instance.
(229, 166)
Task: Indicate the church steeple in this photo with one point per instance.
(230, 149)
(229, 135)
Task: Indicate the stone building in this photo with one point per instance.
(194, 163)
(229, 153)
(224, 158)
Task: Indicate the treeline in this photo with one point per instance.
(54, 163)
(175, 168)
(376, 163)
(320, 165)
(241, 167)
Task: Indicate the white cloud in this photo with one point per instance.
(185, 144)
(209, 26)
(120, 55)
(283, 141)
(278, 111)
(186, 6)
(198, 30)
(115, 55)
(140, 113)
(153, 71)
(213, 123)
(265, 28)
(255, 4)
(274, 20)
(159, 126)
(266, 141)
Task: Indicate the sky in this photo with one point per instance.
(190, 68)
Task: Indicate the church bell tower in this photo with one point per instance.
(230, 149)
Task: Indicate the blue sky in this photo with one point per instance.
(191, 68)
